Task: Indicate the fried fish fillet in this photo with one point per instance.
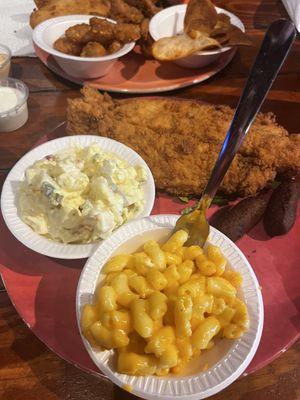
(180, 141)
(55, 8)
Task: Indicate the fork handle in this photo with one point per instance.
(273, 51)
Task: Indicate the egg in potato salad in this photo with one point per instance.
(80, 194)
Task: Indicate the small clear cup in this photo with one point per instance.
(5, 59)
(16, 116)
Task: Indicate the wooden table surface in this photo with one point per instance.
(28, 369)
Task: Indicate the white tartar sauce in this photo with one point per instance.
(8, 98)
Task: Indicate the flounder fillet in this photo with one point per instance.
(180, 141)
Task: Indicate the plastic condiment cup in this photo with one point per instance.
(5, 57)
(16, 116)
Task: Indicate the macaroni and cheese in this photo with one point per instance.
(163, 306)
(80, 194)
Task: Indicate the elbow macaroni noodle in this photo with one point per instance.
(161, 307)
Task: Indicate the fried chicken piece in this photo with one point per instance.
(146, 47)
(144, 27)
(80, 33)
(180, 141)
(93, 49)
(147, 7)
(103, 31)
(66, 46)
(101, 23)
(55, 8)
(114, 47)
(146, 40)
(126, 33)
(123, 12)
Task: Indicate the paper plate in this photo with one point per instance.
(226, 361)
(37, 242)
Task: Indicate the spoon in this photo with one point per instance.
(273, 51)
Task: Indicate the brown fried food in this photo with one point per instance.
(227, 34)
(222, 26)
(146, 41)
(123, 12)
(126, 33)
(80, 33)
(147, 7)
(93, 49)
(55, 8)
(146, 46)
(223, 18)
(114, 47)
(174, 47)
(180, 140)
(66, 46)
(101, 23)
(103, 31)
(144, 27)
(201, 16)
(237, 38)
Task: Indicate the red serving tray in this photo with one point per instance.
(43, 289)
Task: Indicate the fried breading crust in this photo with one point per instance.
(148, 7)
(126, 33)
(66, 46)
(55, 8)
(114, 47)
(103, 31)
(80, 33)
(123, 12)
(93, 49)
(180, 141)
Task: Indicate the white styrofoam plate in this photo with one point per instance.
(169, 22)
(9, 194)
(226, 361)
(47, 32)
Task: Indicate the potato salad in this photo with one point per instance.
(80, 194)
